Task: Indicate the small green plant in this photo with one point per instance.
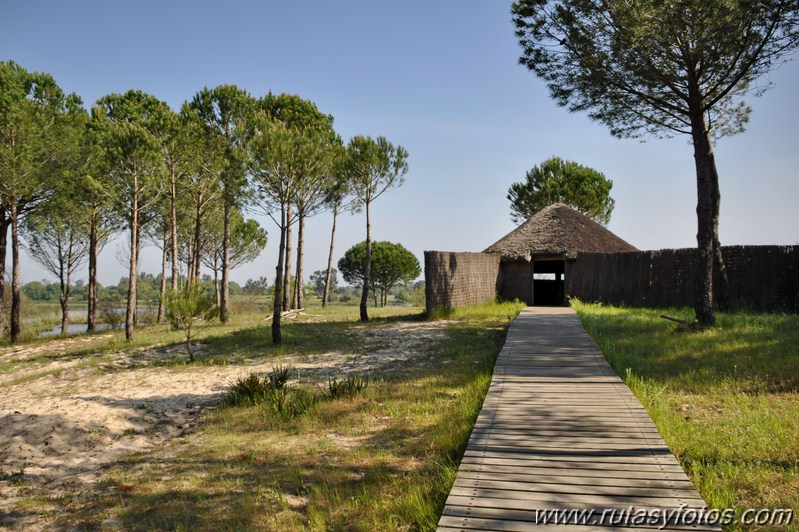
(272, 393)
(15, 479)
(289, 403)
(191, 310)
(350, 387)
(109, 310)
(280, 376)
(247, 391)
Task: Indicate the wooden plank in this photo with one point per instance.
(554, 428)
(527, 500)
(526, 453)
(588, 453)
(607, 465)
(555, 476)
(539, 486)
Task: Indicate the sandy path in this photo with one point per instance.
(59, 430)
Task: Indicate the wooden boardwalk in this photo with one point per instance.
(559, 430)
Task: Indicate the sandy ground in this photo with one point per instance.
(69, 418)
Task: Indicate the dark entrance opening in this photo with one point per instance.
(548, 283)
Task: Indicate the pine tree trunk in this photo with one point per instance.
(162, 288)
(278, 301)
(287, 299)
(63, 296)
(188, 342)
(329, 272)
(4, 223)
(174, 228)
(16, 323)
(223, 306)
(298, 291)
(367, 267)
(189, 261)
(217, 291)
(130, 312)
(197, 250)
(705, 236)
(91, 311)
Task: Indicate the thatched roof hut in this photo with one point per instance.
(557, 230)
(537, 255)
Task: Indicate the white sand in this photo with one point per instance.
(61, 427)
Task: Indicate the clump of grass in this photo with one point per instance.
(290, 403)
(353, 385)
(257, 388)
(279, 376)
(272, 393)
(247, 391)
(16, 478)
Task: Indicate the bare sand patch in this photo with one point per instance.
(59, 430)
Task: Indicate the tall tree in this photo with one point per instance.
(278, 157)
(559, 181)
(178, 138)
(339, 198)
(5, 221)
(35, 145)
(373, 166)
(134, 164)
(57, 237)
(662, 68)
(202, 186)
(314, 179)
(223, 111)
(101, 219)
(247, 240)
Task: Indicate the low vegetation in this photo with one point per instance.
(724, 398)
(357, 450)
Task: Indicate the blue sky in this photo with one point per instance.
(440, 78)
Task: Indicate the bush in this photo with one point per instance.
(290, 403)
(247, 391)
(350, 387)
(279, 376)
(191, 310)
(272, 393)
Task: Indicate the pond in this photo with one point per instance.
(80, 328)
(75, 328)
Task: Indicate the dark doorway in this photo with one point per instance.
(548, 283)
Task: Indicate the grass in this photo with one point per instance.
(380, 459)
(724, 398)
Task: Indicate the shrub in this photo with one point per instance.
(191, 309)
(272, 393)
(350, 387)
(247, 391)
(279, 376)
(290, 403)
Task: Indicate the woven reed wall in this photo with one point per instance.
(764, 278)
(515, 281)
(459, 279)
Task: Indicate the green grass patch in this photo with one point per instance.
(383, 458)
(724, 398)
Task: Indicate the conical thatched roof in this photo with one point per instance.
(557, 230)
